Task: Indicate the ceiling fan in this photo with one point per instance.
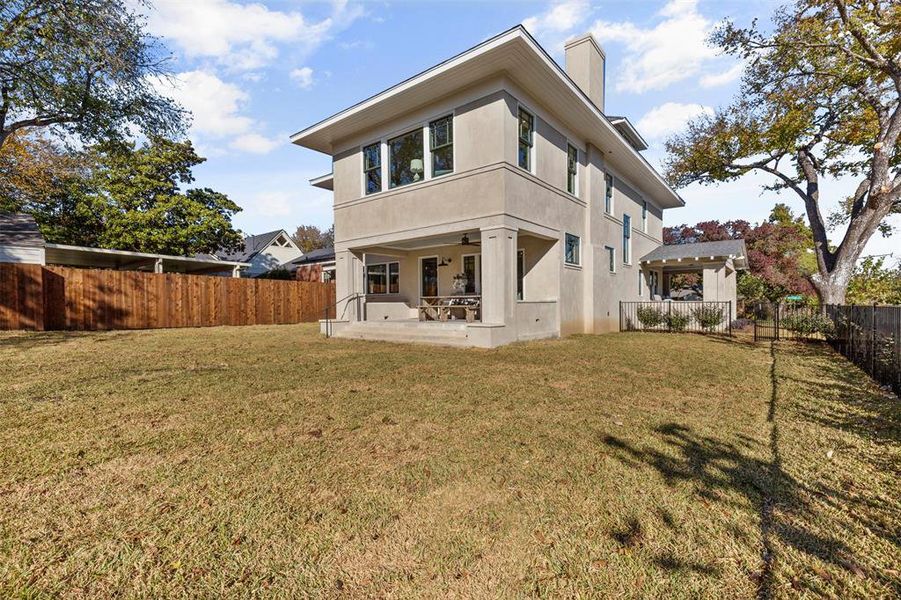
(465, 241)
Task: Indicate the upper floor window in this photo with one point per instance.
(572, 168)
(572, 253)
(526, 136)
(441, 145)
(405, 165)
(611, 258)
(627, 239)
(644, 216)
(608, 193)
(372, 168)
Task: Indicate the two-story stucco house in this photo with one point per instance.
(490, 199)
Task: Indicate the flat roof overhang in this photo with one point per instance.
(324, 182)
(516, 54)
(83, 256)
(740, 263)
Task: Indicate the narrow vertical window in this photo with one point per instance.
(572, 168)
(611, 258)
(471, 274)
(608, 193)
(394, 278)
(640, 277)
(572, 250)
(644, 216)
(441, 145)
(520, 272)
(526, 136)
(372, 168)
(627, 239)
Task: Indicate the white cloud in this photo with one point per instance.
(560, 18)
(725, 77)
(303, 77)
(242, 36)
(256, 143)
(218, 110)
(674, 50)
(669, 118)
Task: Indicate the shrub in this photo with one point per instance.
(677, 321)
(649, 316)
(709, 317)
(807, 324)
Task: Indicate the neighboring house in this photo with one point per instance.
(316, 265)
(492, 191)
(264, 252)
(21, 242)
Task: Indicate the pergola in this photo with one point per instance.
(716, 262)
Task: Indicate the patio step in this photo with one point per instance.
(443, 334)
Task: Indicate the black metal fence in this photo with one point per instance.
(870, 337)
(684, 317)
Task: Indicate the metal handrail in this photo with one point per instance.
(334, 305)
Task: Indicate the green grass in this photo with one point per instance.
(267, 461)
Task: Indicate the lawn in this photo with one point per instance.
(267, 461)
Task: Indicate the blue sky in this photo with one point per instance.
(253, 73)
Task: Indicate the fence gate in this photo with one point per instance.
(766, 321)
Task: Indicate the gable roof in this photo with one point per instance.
(253, 245)
(20, 229)
(734, 249)
(513, 53)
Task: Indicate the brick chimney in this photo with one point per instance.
(585, 65)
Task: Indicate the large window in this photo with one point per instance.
(608, 193)
(571, 250)
(627, 239)
(372, 168)
(572, 168)
(383, 278)
(405, 164)
(526, 138)
(441, 145)
(611, 258)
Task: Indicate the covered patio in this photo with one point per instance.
(715, 265)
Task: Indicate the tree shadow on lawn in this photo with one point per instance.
(719, 468)
(26, 340)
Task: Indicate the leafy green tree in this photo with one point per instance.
(874, 282)
(821, 96)
(83, 68)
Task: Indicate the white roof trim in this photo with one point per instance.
(172, 257)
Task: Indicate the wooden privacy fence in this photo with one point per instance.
(46, 298)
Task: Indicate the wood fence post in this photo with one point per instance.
(873, 340)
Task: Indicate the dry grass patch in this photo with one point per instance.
(267, 461)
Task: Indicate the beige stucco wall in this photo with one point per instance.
(488, 188)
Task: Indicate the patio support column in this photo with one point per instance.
(158, 265)
(498, 274)
(348, 281)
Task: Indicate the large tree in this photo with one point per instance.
(310, 237)
(84, 68)
(820, 97)
(117, 195)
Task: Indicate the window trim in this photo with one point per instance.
(609, 208)
(611, 259)
(380, 168)
(478, 268)
(425, 168)
(419, 275)
(644, 216)
(575, 174)
(640, 277)
(627, 239)
(521, 252)
(387, 265)
(578, 262)
(532, 152)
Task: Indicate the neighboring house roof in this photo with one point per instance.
(320, 255)
(84, 256)
(19, 229)
(513, 53)
(253, 245)
(734, 249)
